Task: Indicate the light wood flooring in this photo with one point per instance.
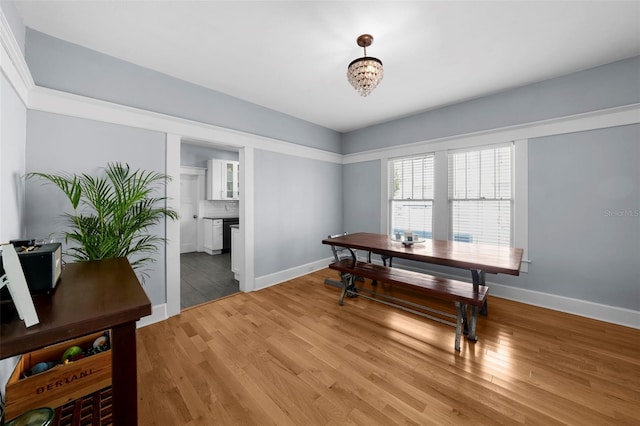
(290, 355)
(204, 277)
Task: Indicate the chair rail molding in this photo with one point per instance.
(592, 120)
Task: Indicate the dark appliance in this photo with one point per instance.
(226, 232)
(41, 264)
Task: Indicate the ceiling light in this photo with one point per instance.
(365, 73)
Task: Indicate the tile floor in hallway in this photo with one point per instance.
(204, 277)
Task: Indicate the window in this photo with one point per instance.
(470, 200)
(411, 188)
(481, 196)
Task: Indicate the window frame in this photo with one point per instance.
(391, 187)
(441, 211)
(451, 198)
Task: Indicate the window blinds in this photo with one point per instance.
(411, 187)
(481, 195)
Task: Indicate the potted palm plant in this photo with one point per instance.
(112, 214)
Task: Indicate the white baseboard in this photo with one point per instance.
(612, 314)
(583, 308)
(289, 274)
(158, 313)
(597, 311)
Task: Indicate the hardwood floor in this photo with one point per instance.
(290, 355)
(204, 277)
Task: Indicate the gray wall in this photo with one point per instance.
(279, 205)
(298, 202)
(58, 143)
(580, 243)
(288, 216)
(13, 118)
(584, 216)
(602, 87)
(60, 65)
(362, 197)
(197, 156)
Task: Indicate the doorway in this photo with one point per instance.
(205, 273)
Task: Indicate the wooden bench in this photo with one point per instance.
(461, 293)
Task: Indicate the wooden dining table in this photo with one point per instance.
(480, 259)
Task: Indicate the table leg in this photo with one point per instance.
(124, 375)
(478, 277)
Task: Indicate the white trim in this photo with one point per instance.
(289, 274)
(384, 196)
(194, 171)
(172, 227)
(12, 62)
(611, 117)
(596, 311)
(441, 195)
(158, 313)
(246, 277)
(57, 102)
(521, 200)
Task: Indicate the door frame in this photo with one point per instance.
(200, 173)
(172, 246)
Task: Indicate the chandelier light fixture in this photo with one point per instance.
(365, 73)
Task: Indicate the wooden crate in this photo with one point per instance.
(60, 384)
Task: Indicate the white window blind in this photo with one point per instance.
(411, 195)
(481, 195)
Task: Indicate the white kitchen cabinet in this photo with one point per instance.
(212, 236)
(236, 251)
(208, 236)
(223, 180)
(217, 235)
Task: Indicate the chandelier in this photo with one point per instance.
(365, 73)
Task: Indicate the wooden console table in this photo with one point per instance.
(90, 297)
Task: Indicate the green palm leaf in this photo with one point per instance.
(112, 214)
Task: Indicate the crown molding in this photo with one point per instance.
(14, 67)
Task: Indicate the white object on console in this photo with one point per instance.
(17, 284)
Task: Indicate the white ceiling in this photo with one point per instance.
(291, 56)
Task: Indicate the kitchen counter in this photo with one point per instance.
(219, 217)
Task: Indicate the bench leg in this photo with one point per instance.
(348, 287)
(342, 293)
(471, 335)
(478, 278)
(373, 282)
(384, 262)
(465, 322)
(461, 309)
